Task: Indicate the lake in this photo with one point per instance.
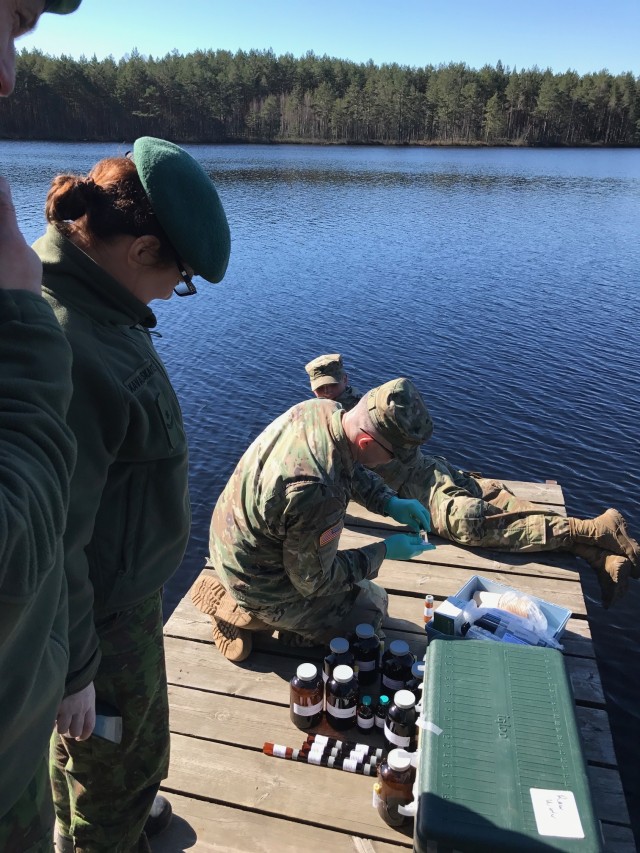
(504, 282)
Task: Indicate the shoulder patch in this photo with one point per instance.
(330, 534)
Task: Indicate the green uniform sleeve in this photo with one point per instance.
(313, 521)
(37, 450)
(99, 431)
(369, 490)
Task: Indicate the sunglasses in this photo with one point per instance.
(186, 286)
(379, 443)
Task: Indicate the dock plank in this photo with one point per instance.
(229, 796)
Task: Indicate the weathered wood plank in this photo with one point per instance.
(316, 795)
(203, 826)
(261, 677)
(618, 839)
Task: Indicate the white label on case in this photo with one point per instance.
(343, 713)
(556, 813)
(307, 710)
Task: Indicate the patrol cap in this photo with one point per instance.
(325, 370)
(61, 7)
(400, 416)
(186, 203)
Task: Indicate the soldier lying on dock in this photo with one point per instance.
(276, 526)
(474, 511)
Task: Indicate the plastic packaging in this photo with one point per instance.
(517, 603)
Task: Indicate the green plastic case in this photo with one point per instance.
(501, 765)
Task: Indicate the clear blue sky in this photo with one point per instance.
(585, 35)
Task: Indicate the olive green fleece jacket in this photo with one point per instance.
(37, 452)
(129, 513)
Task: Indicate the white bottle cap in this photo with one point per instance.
(398, 647)
(339, 645)
(404, 699)
(344, 673)
(399, 759)
(365, 631)
(307, 671)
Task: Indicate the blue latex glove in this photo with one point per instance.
(410, 512)
(404, 546)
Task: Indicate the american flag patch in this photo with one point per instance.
(330, 534)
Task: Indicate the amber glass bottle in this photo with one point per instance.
(339, 653)
(400, 725)
(366, 651)
(396, 666)
(342, 698)
(306, 695)
(394, 787)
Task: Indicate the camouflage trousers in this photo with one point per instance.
(28, 826)
(484, 513)
(103, 791)
(319, 618)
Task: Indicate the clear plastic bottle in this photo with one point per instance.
(396, 666)
(339, 653)
(306, 697)
(416, 682)
(365, 715)
(393, 787)
(342, 698)
(381, 711)
(400, 726)
(366, 651)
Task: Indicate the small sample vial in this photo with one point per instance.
(365, 715)
(366, 651)
(342, 698)
(424, 537)
(381, 711)
(428, 610)
(306, 697)
(393, 787)
(396, 666)
(339, 653)
(400, 725)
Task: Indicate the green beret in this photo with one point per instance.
(62, 7)
(186, 203)
(325, 370)
(399, 414)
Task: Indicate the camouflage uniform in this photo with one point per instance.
(471, 510)
(28, 826)
(276, 526)
(127, 775)
(348, 398)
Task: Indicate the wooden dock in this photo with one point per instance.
(228, 796)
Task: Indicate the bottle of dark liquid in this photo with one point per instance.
(394, 787)
(396, 666)
(365, 715)
(366, 651)
(416, 682)
(342, 698)
(381, 711)
(306, 694)
(400, 726)
(339, 653)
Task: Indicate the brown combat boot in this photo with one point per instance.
(609, 532)
(612, 571)
(207, 593)
(233, 642)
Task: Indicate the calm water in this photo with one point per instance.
(504, 282)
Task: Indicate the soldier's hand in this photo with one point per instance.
(77, 714)
(20, 268)
(404, 546)
(410, 512)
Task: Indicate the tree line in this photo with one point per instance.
(256, 96)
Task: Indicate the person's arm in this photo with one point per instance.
(312, 523)
(370, 490)
(37, 449)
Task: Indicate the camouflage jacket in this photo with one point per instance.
(276, 526)
(349, 397)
